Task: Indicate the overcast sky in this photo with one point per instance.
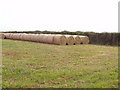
(59, 15)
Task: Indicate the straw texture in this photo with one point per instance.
(84, 39)
(48, 38)
(77, 39)
(70, 39)
(60, 39)
(2, 36)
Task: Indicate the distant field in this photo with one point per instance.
(37, 65)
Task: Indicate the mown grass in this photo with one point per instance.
(36, 65)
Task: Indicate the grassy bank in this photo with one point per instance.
(29, 64)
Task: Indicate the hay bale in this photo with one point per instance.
(84, 39)
(17, 36)
(70, 40)
(77, 39)
(33, 37)
(14, 35)
(7, 35)
(23, 36)
(44, 38)
(50, 39)
(59, 40)
(2, 36)
(28, 37)
(36, 37)
(11, 35)
(40, 38)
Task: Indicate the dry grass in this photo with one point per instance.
(29, 64)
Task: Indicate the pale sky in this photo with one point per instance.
(59, 15)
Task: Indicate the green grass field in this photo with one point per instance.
(37, 65)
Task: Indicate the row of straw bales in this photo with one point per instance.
(49, 38)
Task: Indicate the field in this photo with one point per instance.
(37, 65)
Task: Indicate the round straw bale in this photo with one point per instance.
(7, 35)
(17, 36)
(28, 37)
(84, 39)
(2, 36)
(44, 38)
(23, 36)
(50, 38)
(39, 38)
(70, 40)
(12, 36)
(77, 39)
(59, 39)
(33, 37)
(36, 37)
